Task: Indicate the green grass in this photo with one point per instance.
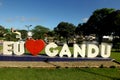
(62, 73)
(59, 74)
(1, 47)
(115, 55)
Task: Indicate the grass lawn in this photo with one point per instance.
(60, 74)
(115, 55)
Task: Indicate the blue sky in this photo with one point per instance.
(49, 13)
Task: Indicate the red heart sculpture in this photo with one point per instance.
(34, 46)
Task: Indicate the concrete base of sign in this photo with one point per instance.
(48, 59)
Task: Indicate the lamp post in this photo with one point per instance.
(29, 33)
(28, 27)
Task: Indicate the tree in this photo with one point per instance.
(117, 23)
(65, 30)
(51, 33)
(97, 19)
(23, 33)
(39, 32)
(2, 31)
(95, 24)
(113, 22)
(11, 37)
(84, 29)
(78, 30)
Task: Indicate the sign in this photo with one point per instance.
(36, 46)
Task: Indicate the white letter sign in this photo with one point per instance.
(51, 53)
(78, 50)
(7, 48)
(18, 48)
(105, 50)
(92, 51)
(65, 51)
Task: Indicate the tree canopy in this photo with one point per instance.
(102, 22)
(2, 31)
(95, 23)
(65, 30)
(39, 32)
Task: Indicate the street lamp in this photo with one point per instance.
(29, 33)
(28, 27)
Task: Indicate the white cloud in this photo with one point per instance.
(32, 19)
(21, 19)
(9, 20)
(85, 20)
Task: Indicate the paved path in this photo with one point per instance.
(41, 64)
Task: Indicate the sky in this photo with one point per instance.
(49, 13)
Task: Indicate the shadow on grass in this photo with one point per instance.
(99, 74)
